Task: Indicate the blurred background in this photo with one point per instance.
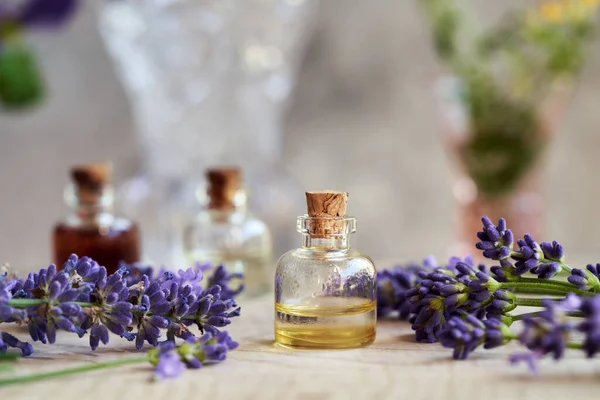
(352, 103)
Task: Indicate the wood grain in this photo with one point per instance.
(395, 367)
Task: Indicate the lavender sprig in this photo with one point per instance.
(81, 298)
(465, 306)
(544, 259)
(169, 360)
(464, 333)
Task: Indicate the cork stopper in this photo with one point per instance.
(327, 205)
(223, 184)
(90, 180)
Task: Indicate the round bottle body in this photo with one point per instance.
(236, 240)
(108, 244)
(325, 298)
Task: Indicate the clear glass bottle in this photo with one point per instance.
(225, 233)
(325, 291)
(91, 229)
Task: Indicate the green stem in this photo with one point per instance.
(530, 302)
(544, 286)
(24, 303)
(71, 371)
(549, 282)
(571, 345)
(519, 317)
(83, 304)
(547, 291)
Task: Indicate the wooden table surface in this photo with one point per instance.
(394, 367)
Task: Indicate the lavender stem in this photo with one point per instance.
(71, 371)
(531, 302)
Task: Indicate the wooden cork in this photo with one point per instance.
(327, 205)
(90, 180)
(223, 184)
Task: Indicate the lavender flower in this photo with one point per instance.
(149, 314)
(133, 273)
(549, 332)
(210, 312)
(495, 241)
(112, 310)
(193, 277)
(171, 361)
(530, 253)
(7, 340)
(59, 312)
(529, 358)
(591, 325)
(444, 293)
(83, 299)
(546, 270)
(427, 303)
(504, 272)
(464, 333)
(392, 286)
(553, 251)
(46, 13)
(222, 278)
(586, 280)
(543, 260)
(502, 302)
(6, 312)
(84, 274)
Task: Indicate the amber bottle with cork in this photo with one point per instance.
(225, 233)
(91, 229)
(325, 291)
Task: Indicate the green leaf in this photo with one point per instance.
(21, 83)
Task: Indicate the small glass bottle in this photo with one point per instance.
(91, 229)
(325, 292)
(224, 233)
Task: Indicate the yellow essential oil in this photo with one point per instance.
(326, 326)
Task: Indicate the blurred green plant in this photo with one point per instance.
(505, 74)
(21, 81)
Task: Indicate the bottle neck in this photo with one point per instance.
(318, 242)
(326, 233)
(236, 205)
(90, 210)
(92, 213)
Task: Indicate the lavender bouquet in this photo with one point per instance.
(466, 306)
(132, 303)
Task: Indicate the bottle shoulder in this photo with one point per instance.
(322, 257)
(102, 221)
(211, 218)
(230, 234)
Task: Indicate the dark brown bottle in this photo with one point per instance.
(91, 229)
